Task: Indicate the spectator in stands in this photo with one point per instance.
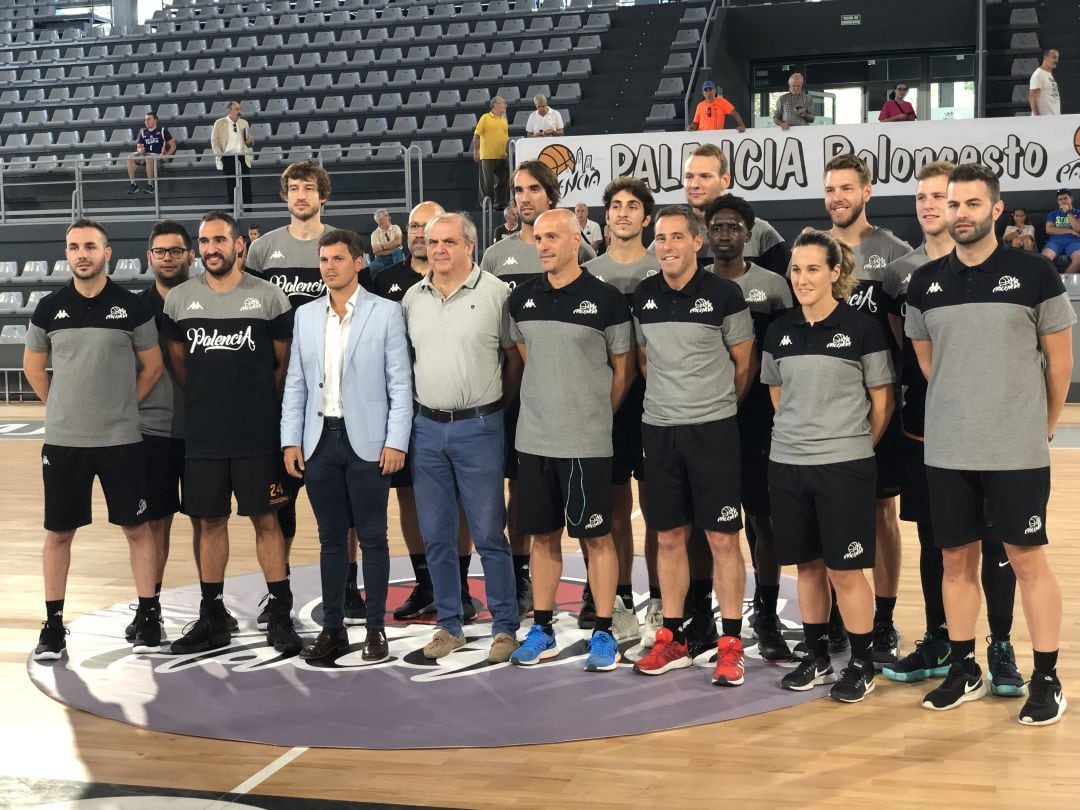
(1063, 232)
(795, 108)
(712, 111)
(590, 230)
(153, 139)
(1021, 233)
(896, 108)
(1043, 93)
(511, 223)
(231, 142)
(386, 242)
(545, 122)
(254, 232)
(489, 147)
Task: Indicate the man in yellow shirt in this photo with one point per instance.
(489, 148)
(710, 113)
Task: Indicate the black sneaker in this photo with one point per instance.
(149, 188)
(147, 631)
(929, 659)
(801, 651)
(209, 632)
(468, 607)
(701, 634)
(133, 188)
(263, 619)
(231, 622)
(1005, 679)
(129, 631)
(885, 648)
(586, 618)
(280, 632)
(524, 598)
(1045, 704)
(355, 609)
(838, 640)
(856, 682)
(958, 687)
(809, 674)
(52, 641)
(420, 601)
(770, 639)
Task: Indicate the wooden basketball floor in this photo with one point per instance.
(886, 750)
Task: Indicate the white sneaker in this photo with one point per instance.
(624, 622)
(654, 620)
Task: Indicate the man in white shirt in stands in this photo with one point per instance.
(231, 143)
(589, 229)
(1043, 95)
(545, 122)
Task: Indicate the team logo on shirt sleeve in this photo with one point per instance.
(1006, 283)
(756, 296)
(702, 305)
(119, 313)
(251, 304)
(839, 341)
(586, 308)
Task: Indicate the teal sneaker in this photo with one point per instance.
(1005, 679)
(930, 659)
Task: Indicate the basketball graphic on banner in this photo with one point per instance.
(557, 157)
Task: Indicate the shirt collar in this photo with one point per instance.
(691, 288)
(470, 281)
(957, 267)
(545, 286)
(105, 291)
(350, 305)
(833, 320)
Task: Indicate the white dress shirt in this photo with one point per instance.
(337, 338)
(235, 144)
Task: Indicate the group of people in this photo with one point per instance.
(795, 403)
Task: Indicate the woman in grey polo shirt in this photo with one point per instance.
(829, 373)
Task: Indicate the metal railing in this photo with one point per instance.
(701, 59)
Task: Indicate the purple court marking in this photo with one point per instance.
(249, 693)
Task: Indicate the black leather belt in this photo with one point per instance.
(334, 423)
(457, 416)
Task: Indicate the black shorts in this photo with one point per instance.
(1012, 502)
(564, 492)
(626, 436)
(164, 475)
(755, 438)
(258, 483)
(510, 457)
(824, 511)
(69, 473)
(915, 495)
(693, 475)
(888, 455)
(402, 479)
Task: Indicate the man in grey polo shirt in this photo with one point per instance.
(460, 332)
(992, 328)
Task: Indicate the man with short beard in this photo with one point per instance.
(95, 334)
(229, 334)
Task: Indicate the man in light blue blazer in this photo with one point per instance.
(346, 417)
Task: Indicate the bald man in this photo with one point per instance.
(795, 108)
(574, 333)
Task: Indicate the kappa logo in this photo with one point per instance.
(1006, 283)
(595, 520)
(530, 304)
(277, 254)
(702, 305)
(785, 340)
(195, 305)
(906, 280)
(652, 271)
(854, 550)
(839, 341)
(650, 304)
(45, 461)
(586, 308)
(251, 304)
(934, 287)
(601, 278)
(395, 288)
(756, 296)
(728, 514)
(1034, 525)
(60, 315)
(875, 262)
(509, 260)
(116, 314)
(142, 507)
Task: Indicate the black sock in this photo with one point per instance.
(603, 623)
(930, 574)
(281, 591)
(148, 603)
(963, 653)
(54, 611)
(675, 626)
(354, 574)
(999, 585)
(817, 639)
(521, 566)
(860, 646)
(769, 595)
(464, 561)
(701, 595)
(626, 592)
(883, 609)
(654, 592)
(544, 618)
(420, 571)
(157, 589)
(1000, 627)
(1046, 662)
(731, 627)
(212, 593)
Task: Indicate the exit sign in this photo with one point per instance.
(851, 19)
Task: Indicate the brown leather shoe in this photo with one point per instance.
(328, 644)
(375, 647)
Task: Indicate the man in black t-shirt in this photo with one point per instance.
(153, 139)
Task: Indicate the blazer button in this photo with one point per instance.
(320, 413)
(320, 385)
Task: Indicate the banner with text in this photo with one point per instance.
(1028, 154)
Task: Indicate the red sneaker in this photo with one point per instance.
(729, 662)
(666, 654)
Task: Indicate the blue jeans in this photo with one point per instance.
(343, 488)
(464, 460)
(380, 263)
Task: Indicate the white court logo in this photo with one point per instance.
(1006, 283)
(702, 305)
(116, 314)
(1034, 525)
(728, 514)
(854, 550)
(839, 341)
(277, 254)
(530, 304)
(60, 315)
(595, 520)
(195, 305)
(650, 304)
(934, 287)
(250, 304)
(785, 340)
(756, 296)
(586, 308)
(142, 507)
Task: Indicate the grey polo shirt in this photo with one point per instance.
(624, 277)
(515, 261)
(824, 371)
(456, 341)
(161, 413)
(92, 343)
(569, 334)
(986, 401)
(897, 277)
(687, 335)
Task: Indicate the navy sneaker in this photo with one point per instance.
(1005, 679)
(930, 659)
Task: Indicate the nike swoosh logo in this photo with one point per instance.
(942, 660)
(1057, 698)
(1002, 565)
(970, 686)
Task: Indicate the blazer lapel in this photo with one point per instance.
(364, 308)
(317, 323)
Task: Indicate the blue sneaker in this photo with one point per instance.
(538, 646)
(603, 653)
(1005, 679)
